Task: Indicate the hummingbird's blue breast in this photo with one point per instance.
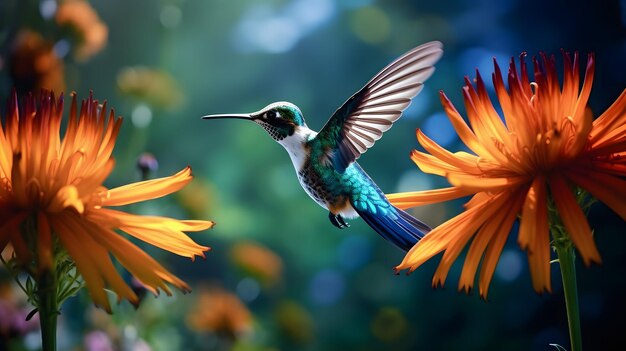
(341, 192)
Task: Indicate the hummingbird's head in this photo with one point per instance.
(279, 119)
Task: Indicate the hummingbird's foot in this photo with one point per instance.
(337, 220)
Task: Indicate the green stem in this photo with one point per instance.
(568, 275)
(48, 310)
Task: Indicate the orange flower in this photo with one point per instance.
(83, 19)
(34, 65)
(547, 146)
(258, 261)
(51, 188)
(220, 311)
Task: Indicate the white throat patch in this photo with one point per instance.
(294, 144)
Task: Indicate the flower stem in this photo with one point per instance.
(48, 310)
(565, 252)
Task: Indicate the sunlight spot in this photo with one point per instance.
(510, 265)
(47, 8)
(248, 289)
(480, 58)
(272, 34)
(61, 48)
(327, 287)
(310, 13)
(141, 116)
(439, 128)
(277, 30)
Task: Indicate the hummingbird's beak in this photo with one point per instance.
(233, 116)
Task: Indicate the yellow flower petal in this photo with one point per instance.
(146, 190)
(66, 197)
(162, 232)
(140, 264)
(101, 257)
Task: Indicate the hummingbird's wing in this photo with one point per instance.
(361, 120)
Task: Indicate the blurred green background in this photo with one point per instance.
(280, 276)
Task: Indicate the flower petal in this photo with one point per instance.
(140, 264)
(70, 237)
(66, 197)
(608, 189)
(534, 234)
(441, 237)
(485, 183)
(463, 161)
(613, 117)
(499, 224)
(10, 227)
(432, 165)
(534, 212)
(539, 261)
(146, 190)
(583, 118)
(491, 257)
(450, 255)
(494, 249)
(100, 257)
(462, 129)
(419, 198)
(166, 233)
(574, 220)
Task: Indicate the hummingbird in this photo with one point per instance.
(325, 161)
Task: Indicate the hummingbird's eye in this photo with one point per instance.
(271, 114)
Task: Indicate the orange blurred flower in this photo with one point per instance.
(51, 194)
(258, 261)
(34, 65)
(547, 146)
(83, 19)
(220, 311)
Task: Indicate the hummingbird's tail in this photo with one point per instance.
(396, 225)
